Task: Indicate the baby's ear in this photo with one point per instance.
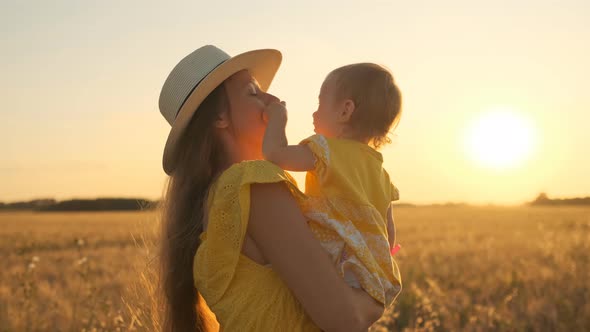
(348, 108)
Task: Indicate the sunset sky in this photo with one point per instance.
(496, 94)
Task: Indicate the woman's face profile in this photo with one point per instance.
(247, 103)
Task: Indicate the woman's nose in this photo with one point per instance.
(268, 98)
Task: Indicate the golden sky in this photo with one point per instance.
(80, 84)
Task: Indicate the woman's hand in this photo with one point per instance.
(280, 231)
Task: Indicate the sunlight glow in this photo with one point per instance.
(500, 138)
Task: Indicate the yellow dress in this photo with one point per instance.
(244, 295)
(349, 193)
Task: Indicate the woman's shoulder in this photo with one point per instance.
(228, 186)
(253, 171)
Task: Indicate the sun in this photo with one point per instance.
(500, 138)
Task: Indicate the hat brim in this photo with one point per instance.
(262, 65)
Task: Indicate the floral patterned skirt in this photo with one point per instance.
(355, 236)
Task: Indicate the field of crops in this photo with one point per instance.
(463, 269)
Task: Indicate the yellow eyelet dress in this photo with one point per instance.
(244, 295)
(348, 194)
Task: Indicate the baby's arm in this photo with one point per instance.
(390, 226)
(275, 147)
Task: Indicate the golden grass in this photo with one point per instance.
(463, 268)
(76, 271)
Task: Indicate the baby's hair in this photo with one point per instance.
(376, 98)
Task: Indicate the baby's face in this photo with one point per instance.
(325, 119)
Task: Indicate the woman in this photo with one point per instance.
(233, 233)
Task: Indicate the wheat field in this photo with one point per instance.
(463, 269)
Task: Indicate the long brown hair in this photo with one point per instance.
(200, 158)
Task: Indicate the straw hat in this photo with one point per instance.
(196, 76)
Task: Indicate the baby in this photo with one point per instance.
(349, 194)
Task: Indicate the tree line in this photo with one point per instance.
(99, 204)
(543, 199)
(133, 204)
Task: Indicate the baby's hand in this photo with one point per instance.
(275, 110)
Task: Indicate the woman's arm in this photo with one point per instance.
(275, 147)
(280, 231)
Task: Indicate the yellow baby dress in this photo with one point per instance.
(349, 193)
